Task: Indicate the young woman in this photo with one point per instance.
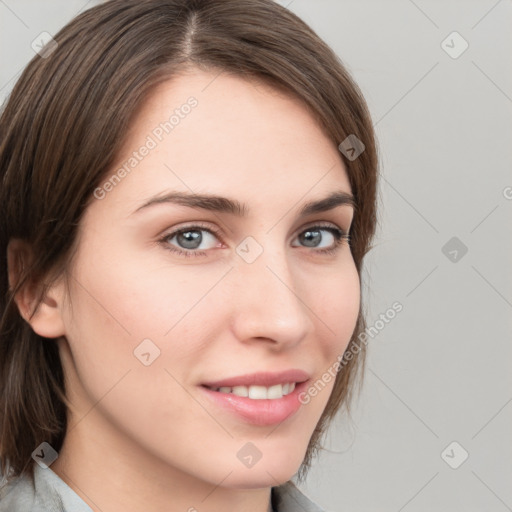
(180, 296)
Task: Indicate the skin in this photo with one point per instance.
(144, 437)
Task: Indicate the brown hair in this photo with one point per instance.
(65, 122)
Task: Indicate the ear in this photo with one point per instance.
(45, 318)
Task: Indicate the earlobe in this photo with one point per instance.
(44, 315)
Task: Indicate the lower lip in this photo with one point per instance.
(259, 412)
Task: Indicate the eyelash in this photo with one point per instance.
(339, 235)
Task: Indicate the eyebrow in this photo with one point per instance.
(232, 206)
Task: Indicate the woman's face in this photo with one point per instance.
(170, 292)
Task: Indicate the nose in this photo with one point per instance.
(269, 303)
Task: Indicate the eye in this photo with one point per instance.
(325, 239)
(191, 240)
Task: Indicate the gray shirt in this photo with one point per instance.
(49, 493)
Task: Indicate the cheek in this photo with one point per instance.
(118, 303)
(139, 298)
(337, 303)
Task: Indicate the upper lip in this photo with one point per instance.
(260, 379)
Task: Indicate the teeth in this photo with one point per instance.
(275, 391)
(240, 391)
(259, 392)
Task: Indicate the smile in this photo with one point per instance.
(261, 399)
(258, 392)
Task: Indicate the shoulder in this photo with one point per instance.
(46, 492)
(288, 498)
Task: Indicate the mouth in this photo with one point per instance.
(258, 392)
(260, 398)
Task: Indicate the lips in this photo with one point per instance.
(260, 398)
(266, 379)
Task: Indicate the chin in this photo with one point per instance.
(241, 479)
(265, 473)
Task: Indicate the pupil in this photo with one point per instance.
(190, 239)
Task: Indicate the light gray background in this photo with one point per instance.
(440, 371)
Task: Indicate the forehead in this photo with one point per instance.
(213, 132)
